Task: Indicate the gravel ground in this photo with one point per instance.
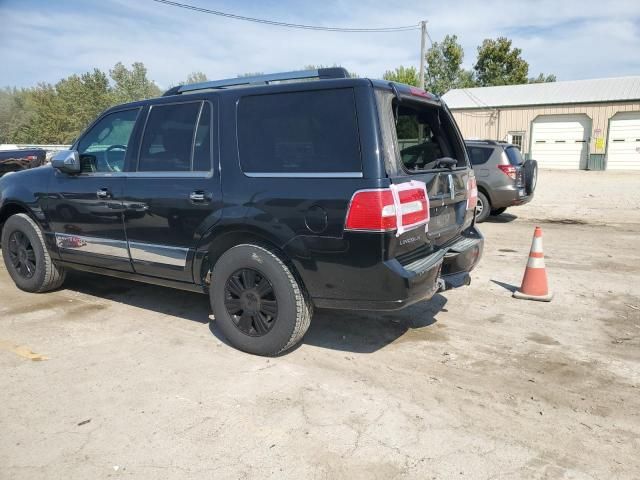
(109, 379)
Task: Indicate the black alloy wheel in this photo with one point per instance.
(22, 255)
(250, 301)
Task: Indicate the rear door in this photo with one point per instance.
(427, 134)
(172, 194)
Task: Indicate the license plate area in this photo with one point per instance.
(442, 217)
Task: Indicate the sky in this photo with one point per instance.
(44, 41)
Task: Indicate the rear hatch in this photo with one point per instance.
(422, 143)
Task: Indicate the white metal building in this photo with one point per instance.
(588, 124)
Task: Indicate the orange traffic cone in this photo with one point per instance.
(534, 284)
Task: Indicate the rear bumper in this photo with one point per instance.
(393, 286)
(508, 196)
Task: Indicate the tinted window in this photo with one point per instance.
(514, 156)
(168, 138)
(104, 146)
(479, 155)
(202, 145)
(299, 132)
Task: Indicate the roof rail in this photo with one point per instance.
(321, 73)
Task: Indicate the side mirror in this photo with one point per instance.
(67, 161)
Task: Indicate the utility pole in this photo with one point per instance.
(423, 38)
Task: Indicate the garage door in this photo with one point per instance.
(623, 151)
(561, 141)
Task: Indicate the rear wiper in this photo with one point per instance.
(446, 162)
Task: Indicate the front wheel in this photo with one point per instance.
(26, 257)
(483, 208)
(258, 303)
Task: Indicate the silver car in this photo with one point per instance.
(504, 178)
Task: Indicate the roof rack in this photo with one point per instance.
(320, 73)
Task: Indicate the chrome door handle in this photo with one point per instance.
(103, 193)
(197, 197)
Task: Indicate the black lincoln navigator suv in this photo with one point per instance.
(271, 194)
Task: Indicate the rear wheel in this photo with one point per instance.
(498, 211)
(483, 208)
(258, 304)
(26, 257)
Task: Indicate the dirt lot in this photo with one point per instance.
(116, 379)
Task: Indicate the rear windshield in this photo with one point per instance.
(424, 133)
(514, 155)
(479, 155)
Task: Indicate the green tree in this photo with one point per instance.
(407, 75)
(195, 77)
(542, 78)
(14, 113)
(444, 67)
(132, 85)
(499, 63)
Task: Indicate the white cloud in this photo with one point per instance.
(573, 39)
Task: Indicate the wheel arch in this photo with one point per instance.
(485, 191)
(229, 236)
(11, 208)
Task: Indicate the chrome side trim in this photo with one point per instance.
(208, 174)
(92, 245)
(304, 175)
(152, 253)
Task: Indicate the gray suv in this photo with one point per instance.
(504, 178)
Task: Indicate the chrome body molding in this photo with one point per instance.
(93, 245)
(304, 175)
(136, 251)
(152, 253)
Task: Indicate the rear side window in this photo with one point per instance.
(514, 156)
(171, 142)
(299, 133)
(479, 155)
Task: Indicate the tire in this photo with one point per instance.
(31, 271)
(498, 211)
(483, 209)
(254, 318)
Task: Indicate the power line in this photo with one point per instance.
(288, 25)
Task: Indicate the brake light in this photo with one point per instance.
(400, 207)
(472, 193)
(508, 170)
(419, 92)
(372, 210)
(414, 206)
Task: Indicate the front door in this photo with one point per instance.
(172, 194)
(86, 210)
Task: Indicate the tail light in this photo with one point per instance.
(472, 193)
(399, 207)
(508, 170)
(31, 157)
(372, 210)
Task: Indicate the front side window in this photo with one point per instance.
(167, 143)
(103, 148)
(299, 133)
